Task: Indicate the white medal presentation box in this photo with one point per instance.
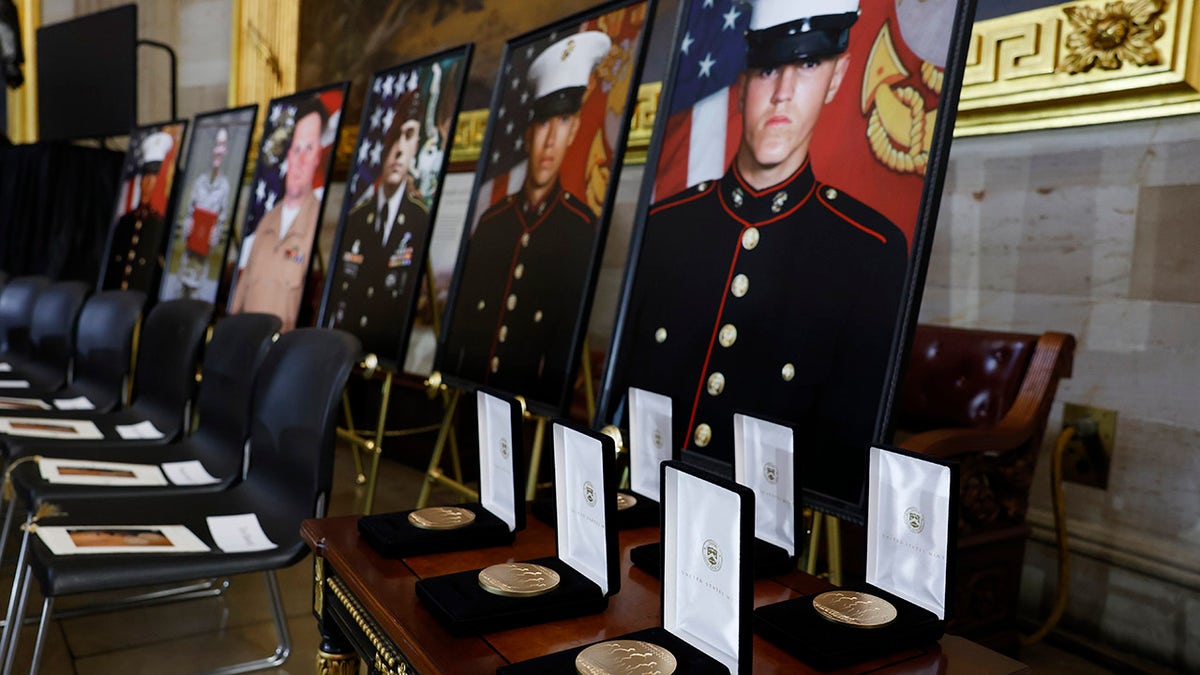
(584, 573)
(492, 521)
(764, 461)
(707, 592)
(912, 519)
(649, 445)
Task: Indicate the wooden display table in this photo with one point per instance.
(366, 606)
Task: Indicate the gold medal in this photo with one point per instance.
(855, 608)
(441, 518)
(518, 580)
(625, 501)
(625, 656)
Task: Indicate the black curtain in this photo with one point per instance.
(56, 205)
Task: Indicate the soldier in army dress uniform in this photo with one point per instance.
(133, 245)
(524, 278)
(385, 233)
(767, 291)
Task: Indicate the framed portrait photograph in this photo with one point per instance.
(95, 539)
(287, 195)
(133, 255)
(539, 213)
(41, 427)
(392, 193)
(782, 237)
(88, 472)
(207, 201)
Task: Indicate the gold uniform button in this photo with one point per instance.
(702, 435)
(512, 302)
(537, 316)
(134, 240)
(480, 305)
(525, 239)
(660, 335)
(750, 238)
(137, 225)
(363, 321)
(519, 271)
(503, 333)
(370, 291)
(788, 372)
(830, 193)
(495, 363)
(130, 256)
(345, 285)
(728, 335)
(740, 286)
(716, 384)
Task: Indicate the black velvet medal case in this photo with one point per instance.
(499, 514)
(587, 559)
(912, 519)
(708, 526)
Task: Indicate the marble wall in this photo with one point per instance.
(1093, 231)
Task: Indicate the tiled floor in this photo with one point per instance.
(207, 633)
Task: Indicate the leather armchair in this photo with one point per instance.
(983, 398)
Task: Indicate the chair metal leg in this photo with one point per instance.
(40, 643)
(282, 650)
(15, 620)
(12, 618)
(9, 515)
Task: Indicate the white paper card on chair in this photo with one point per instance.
(10, 403)
(241, 533)
(702, 565)
(496, 458)
(579, 495)
(190, 472)
(88, 472)
(908, 528)
(144, 431)
(93, 539)
(14, 384)
(38, 427)
(5, 367)
(650, 442)
(77, 403)
(763, 461)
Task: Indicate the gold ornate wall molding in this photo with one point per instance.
(264, 44)
(1081, 63)
(22, 102)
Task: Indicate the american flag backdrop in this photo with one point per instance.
(888, 88)
(600, 118)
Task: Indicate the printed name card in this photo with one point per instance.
(497, 484)
(579, 491)
(190, 472)
(763, 461)
(702, 564)
(241, 533)
(908, 528)
(77, 403)
(88, 472)
(650, 442)
(5, 367)
(14, 384)
(142, 431)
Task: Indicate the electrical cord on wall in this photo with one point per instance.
(1087, 430)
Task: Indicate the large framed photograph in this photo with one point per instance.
(540, 208)
(783, 234)
(132, 258)
(206, 204)
(287, 196)
(392, 193)
(141, 539)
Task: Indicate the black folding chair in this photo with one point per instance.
(16, 313)
(293, 422)
(51, 338)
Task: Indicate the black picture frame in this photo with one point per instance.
(281, 288)
(467, 345)
(133, 246)
(208, 282)
(356, 292)
(833, 474)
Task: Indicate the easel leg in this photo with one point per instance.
(535, 458)
(436, 460)
(814, 540)
(833, 543)
(380, 426)
(359, 476)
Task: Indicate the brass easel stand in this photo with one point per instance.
(371, 441)
(833, 546)
(434, 474)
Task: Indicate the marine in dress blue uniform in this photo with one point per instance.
(523, 282)
(134, 243)
(776, 300)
